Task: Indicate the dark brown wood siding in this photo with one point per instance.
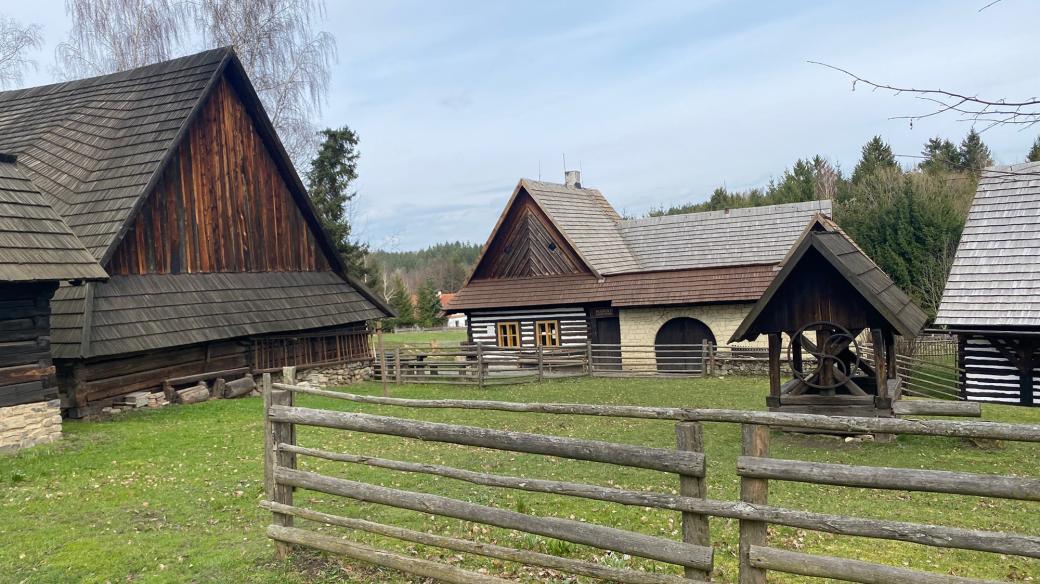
(528, 245)
(26, 373)
(222, 205)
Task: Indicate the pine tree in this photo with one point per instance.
(428, 305)
(401, 302)
(940, 155)
(330, 184)
(975, 154)
(876, 155)
(1034, 152)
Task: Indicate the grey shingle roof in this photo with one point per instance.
(35, 243)
(612, 245)
(752, 235)
(92, 145)
(141, 313)
(995, 280)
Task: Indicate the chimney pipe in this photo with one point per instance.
(572, 178)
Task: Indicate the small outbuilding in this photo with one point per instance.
(37, 252)
(825, 295)
(992, 297)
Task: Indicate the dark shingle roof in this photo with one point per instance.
(995, 280)
(142, 313)
(35, 243)
(865, 277)
(91, 146)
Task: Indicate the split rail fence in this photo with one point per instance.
(686, 462)
(926, 368)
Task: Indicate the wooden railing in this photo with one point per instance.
(693, 553)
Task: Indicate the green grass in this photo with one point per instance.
(170, 495)
(441, 338)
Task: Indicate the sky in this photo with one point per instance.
(656, 102)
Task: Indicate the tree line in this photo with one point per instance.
(908, 219)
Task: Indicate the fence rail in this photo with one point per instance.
(929, 369)
(755, 469)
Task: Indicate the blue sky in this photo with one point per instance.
(657, 102)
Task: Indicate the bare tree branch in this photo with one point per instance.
(974, 108)
(15, 42)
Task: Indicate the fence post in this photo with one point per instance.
(480, 366)
(541, 363)
(397, 366)
(274, 434)
(382, 357)
(705, 356)
(588, 357)
(690, 437)
(754, 442)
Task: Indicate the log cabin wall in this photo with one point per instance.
(989, 376)
(573, 325)
(26, 372)
(222, 205)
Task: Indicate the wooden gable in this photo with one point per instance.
(221, 205)
(527, 244)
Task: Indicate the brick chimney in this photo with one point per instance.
(572, 178)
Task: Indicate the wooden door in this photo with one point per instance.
(679, 345)
(607, 331)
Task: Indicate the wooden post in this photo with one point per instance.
(588, 357)
(880, 362)
(541, 363)
(891, 365)
(704, 357)
(382, 357)
(755, 442)
(773, 400)
(275, 433)
(480, 366)
(796, 353)
(397, 365)
(1025, 378)
(690, 437)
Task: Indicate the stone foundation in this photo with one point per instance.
(639, 327)
(29, 424)
(337, 375)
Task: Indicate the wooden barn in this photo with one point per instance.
(992, 297)
(562, 268)
(174, 180)
(37, 252)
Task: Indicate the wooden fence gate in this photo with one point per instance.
(686, 460)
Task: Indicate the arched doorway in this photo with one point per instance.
(678, 344)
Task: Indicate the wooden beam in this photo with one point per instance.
(754, 442)
(767, 558)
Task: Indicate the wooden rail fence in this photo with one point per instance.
(693, 553)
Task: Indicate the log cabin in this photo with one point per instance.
(174, 180)
(992, 297)
(562, 268)
(37, 252)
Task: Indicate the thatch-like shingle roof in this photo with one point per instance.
(995, 280)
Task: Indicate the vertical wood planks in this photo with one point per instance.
(221, 205)
(690, 437)
(754, 442)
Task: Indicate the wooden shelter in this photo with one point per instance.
(992, 297)
(172, 177)
(826, 294)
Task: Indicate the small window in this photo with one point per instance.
(508, 334)
(547, 333)
(552, 246)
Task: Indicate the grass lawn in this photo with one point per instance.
(170, 495)
(442, 338)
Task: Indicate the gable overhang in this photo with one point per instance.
(806, 242)
(484, 249)
(231, 67)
